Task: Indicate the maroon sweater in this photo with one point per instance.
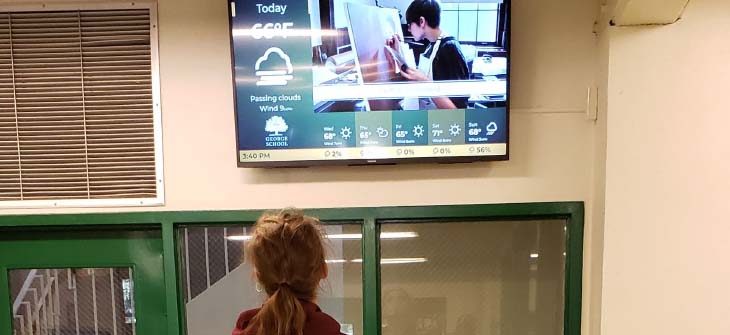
(318, 322)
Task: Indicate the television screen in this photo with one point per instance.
(370, 81)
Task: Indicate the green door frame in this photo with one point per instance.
(137, 249)
(571, 212)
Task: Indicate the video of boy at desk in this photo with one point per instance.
(410, 55)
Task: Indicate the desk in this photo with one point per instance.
(324, 77)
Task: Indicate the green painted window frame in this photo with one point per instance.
(571, 212)
(122, 247)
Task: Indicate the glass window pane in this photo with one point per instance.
(450, 23)
(467, 26)
(473, 278)
(449, 6)
(468, 6)
(215, 277)
(341, 294)
(72, 301)
(489, 6)
(487, 26)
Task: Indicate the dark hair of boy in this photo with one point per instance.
(428, 9)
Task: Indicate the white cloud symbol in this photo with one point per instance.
(274, 77)
(265, 57)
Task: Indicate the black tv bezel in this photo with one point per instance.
(366, 161)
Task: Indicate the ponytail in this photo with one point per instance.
(281, 314)
(287, 254)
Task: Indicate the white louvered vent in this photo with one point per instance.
(79, 108)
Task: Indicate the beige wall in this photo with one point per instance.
(667, 152)
(550, 151)
(593, 250)
(552, 144)
(667, 187)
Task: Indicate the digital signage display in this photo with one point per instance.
(370, 81)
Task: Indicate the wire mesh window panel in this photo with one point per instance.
(215, 277)
(78, 301)
(471, 278)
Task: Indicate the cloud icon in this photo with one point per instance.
(491, 128)
(274, 68)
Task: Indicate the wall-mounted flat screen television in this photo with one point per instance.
(370, 81)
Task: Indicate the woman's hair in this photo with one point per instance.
(430, 10)
(287, 252)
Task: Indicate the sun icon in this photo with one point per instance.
(418, 130)
(454, 129)
(345, 133)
